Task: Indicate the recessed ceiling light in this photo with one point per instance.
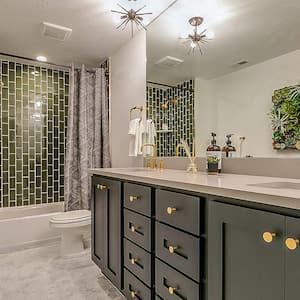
(41, 58)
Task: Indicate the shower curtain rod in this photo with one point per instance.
(43, 63)
(171, 86)
(34, 60)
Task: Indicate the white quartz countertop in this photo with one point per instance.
(226, 185)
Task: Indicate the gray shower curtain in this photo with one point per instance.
(87, 135)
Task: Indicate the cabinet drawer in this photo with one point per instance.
(171, 285)
(179, 210)
(135, 289)
(138, 198)
(137, 228)
(178, 249)
(138, 261)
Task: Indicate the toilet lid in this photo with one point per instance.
(73, 216)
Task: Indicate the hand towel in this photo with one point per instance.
(150, 136)
(135, 132)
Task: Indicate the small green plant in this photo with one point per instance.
(285, 118)
(213, 159)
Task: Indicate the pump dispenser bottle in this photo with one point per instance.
(229, 150)
(213, 157)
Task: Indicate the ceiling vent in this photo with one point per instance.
(56, 32)
(169, 61)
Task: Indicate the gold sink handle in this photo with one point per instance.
(268, 237)
(292, 244)
(133, 260)
(171, 210)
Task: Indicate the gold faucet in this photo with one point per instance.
(192, 156)
(178, 148)
(154, 154)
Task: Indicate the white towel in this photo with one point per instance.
(150, 136)
(135, 132)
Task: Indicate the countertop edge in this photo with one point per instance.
(279, 201)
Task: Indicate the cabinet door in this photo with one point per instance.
(106, 227)
(292, 249)
(241, 264)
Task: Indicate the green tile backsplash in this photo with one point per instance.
(179, 118)
(33, 121)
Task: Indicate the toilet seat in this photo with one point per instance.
(76, 218)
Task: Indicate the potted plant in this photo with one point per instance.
(213, 164)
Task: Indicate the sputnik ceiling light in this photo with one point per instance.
(196, 38)
(132, 16)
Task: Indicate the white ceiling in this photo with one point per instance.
(94, 34)
(252, 30)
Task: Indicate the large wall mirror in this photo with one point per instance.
(228, 67)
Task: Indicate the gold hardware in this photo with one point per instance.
(148, 163)
(133, 294)
(171, 290)
(292, 244)
(178, 148)
(154, 155)
(172, 249)
(134, 260)
(140, 108)
(166, 104)
(133, 198)
(101, 187)
(268, 237)
(133, 228)
(171, 210)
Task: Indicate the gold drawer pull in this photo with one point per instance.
(172, 249)
(133, 198)
(292, 244)
(101, 187)
(172, 290)
(133, 294)
(134, 260)
(133, 228)
(171, 210)
(268, 237)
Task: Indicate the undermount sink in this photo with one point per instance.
(278, 185)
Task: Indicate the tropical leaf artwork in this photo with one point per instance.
(285, 118)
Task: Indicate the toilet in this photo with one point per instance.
(74, 226)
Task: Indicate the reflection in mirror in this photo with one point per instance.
(228, 67)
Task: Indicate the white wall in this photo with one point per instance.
(128, 89)
(239, 103)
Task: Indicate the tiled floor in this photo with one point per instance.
(40, 274)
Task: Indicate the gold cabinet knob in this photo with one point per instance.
(171, 210)
(133, 294)
(101, 187)
(172, 249)
(134, 228)
(171, 290)
(292, 244)
(133, 198)
(268, 237)
(133, 260)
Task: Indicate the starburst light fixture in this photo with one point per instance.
(197, 38)
(132, 16)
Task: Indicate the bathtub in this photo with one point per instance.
(27, 226)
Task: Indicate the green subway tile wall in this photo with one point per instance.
(180, 118)
(33, 122)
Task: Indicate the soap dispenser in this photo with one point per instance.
(229, 150)
(213, 157)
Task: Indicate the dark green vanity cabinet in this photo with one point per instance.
(107, 228)
(248, 256)
(158, 243)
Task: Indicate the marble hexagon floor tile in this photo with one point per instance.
(40, 274)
